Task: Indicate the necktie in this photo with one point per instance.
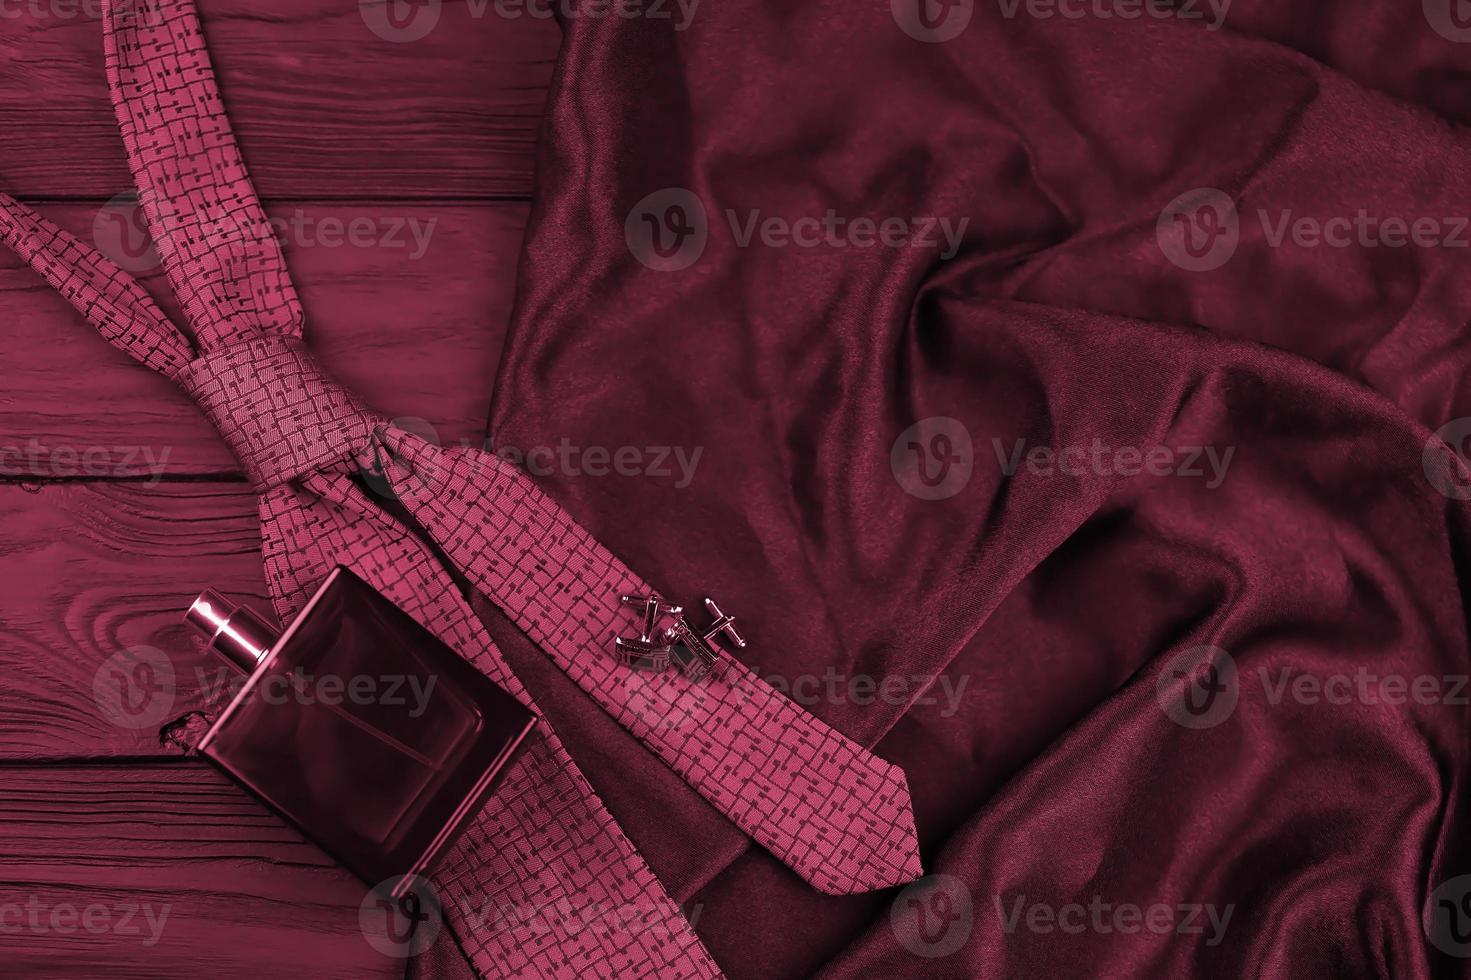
(836, 814)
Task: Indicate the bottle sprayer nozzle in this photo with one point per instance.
(238, 634)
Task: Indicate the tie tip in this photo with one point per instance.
(874, 877)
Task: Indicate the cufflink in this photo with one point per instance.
(697, 655)
(650, 649)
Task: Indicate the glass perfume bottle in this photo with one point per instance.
(360, 727)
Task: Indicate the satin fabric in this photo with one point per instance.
(1052, 602)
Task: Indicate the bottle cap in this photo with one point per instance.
(235, 632)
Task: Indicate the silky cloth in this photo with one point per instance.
(1068, 603)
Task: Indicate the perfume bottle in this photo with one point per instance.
(360, 727)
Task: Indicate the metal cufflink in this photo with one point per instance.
(697, 655)
(650, 649)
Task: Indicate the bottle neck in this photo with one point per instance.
(234, 632)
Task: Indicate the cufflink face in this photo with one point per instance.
(697, 655)
(650, 649)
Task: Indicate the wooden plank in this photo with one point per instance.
(94, 572)
(322, 105)
(179, 873)
(414, 325)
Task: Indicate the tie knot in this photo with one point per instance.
(276, 408)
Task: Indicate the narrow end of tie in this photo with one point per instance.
(884, 849)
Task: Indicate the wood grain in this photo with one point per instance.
(323, 107)
(337, 125)
(234, 892)
(416, 337)
(94, 571)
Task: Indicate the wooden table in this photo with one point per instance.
(118, 502)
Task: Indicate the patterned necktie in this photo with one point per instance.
(832, 811)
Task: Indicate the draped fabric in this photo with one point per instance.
(1125, 457)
